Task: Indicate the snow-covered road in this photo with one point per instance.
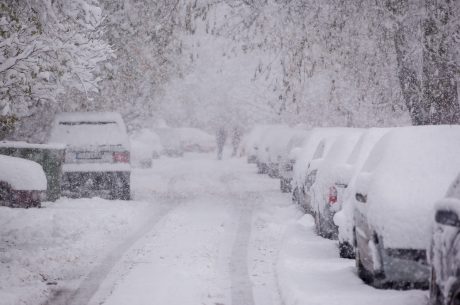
(201, 231)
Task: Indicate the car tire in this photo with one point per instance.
(346, 250)
(454, 295)
(435, 292)
(284, 186)
(122, 189)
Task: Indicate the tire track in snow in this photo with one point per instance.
(241, 290)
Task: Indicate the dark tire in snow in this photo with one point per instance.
(285, 186)
(346, 250)
(121, 188)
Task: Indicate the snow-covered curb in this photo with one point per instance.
(311, 272)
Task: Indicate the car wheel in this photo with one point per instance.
(346, 250)
(284, 186)
(435, 292)
(121, 188)
(454, 295)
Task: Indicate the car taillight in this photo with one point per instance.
(332, 198)
(121, 157)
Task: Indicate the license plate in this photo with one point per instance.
(89, 155)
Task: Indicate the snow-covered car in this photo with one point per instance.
(406, 172)
(286, 165)
(251, 142)
(445, 249)
(145, 146)
(195, 140)
(97, 160)
(266, 140)
(277, 149)
(308, 160)
(345, 177)
(22, 183)
(325, 191)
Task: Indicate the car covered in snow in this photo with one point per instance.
(22, 183)
(325, 190)
(288, 158)
(97, 159)
(266, 142)
(395, 193)
(345, 177)
(145, 146)
(251, 142)
(445, 249)
(277, 149)
(177, 141)
(308, 160)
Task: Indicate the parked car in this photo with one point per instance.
(288, 158)
(445, 249)
(345, 177)
(251, 142)
(196, 140)
(305, 169)
(145, 146)
(277, 149)
(22, 183)
(406, 172)
(97, 159)
(266, 140)
(324, 191)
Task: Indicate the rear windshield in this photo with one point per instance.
(88, 133)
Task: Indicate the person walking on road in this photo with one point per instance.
(221, 138)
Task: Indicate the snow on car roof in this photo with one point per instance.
(308, 149)
(81, 129)
(20, 144)
(408, 170)
(22, 174)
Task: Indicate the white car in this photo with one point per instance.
(251, 142)
(408, 170)
(304, 172)
(263, 149)
(97, 160)
(325, 190)
(345, 177)
(145, 146)
(22, 183)
(288, 158)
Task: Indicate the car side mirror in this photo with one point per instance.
(448, 218)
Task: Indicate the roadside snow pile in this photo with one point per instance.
(310, 272)
(22, 174)
(53, 247)
(408, 170)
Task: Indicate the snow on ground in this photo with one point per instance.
(201, 232)
(311, 272)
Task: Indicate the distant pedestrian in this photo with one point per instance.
(236, 140)
(221, 138)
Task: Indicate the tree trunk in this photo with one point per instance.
(439, 80)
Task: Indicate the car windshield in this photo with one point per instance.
(84, 133)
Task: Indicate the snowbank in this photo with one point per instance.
(408, 170)
(54, 247)
(22, 174)
(310, 272)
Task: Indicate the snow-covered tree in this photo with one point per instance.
(46, 49)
